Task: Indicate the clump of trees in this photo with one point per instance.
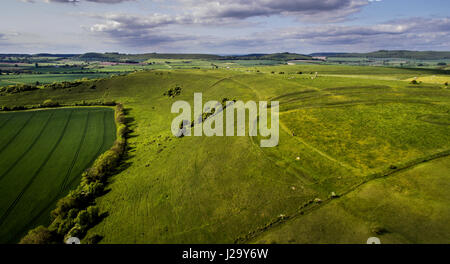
(76, 213)
(13, 108)
(62, 85)
(49, 103)
(18, 88)
(172, 92)
(39, 235)
(92, 103)
(415, 82)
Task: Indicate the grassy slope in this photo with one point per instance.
(223, 189)
(56, 145)
(408, 207)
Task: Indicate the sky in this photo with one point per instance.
(223, 26)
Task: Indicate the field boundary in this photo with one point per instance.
(75, 158)
(5, 122)
(16, 135)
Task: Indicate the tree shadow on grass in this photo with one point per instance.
(131, 123)
(122, 166)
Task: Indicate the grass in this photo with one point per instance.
(347, 125)
(408, 207)
(56, 146)
(432, 79)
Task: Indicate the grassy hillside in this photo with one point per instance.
(286, 56)
(345, 130)
(42, 155)
(410, 206)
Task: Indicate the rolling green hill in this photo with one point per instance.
(347, 137)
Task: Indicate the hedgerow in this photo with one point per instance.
(17, 88)
(50, 103)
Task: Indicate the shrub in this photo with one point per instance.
(75, 199)
(414, 82)
(49, 103)
(172, 92)
(92, 239)
(40, 235)
(62, 85)
(87, 217)
(76, 231)
(18, 108)
(109, 103)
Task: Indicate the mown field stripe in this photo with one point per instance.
(102, 145)
(77, 153)
(15, 135)
(6, 121)
(100, 149)
(29, 147)
(16, 201)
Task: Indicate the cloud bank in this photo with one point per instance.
(223, 26)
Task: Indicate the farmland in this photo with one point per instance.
(42, 155)
(362, 150)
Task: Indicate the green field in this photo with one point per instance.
(42, 155)
(364, 133)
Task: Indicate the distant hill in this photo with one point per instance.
(143, 57)
(404, 54)
(54, 55)
(327, 54)
(136, 58)
(286, 56)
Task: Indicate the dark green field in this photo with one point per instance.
(42, 155)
